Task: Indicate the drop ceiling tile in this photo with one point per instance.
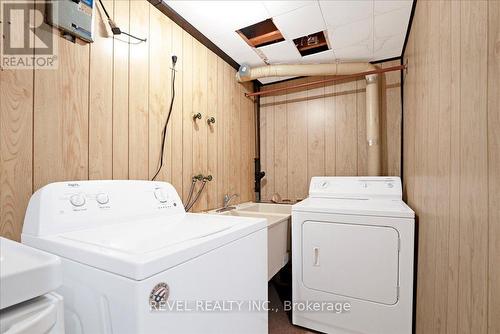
(351, 34)
(324, 57)
(361, 52)
(233, 45)
(300, 22)
(228, 39)
(392, 23)
(388, 47)
(275, 8)
(247, 57)
(384, 6)
(283, 52)
(232, 15)
(337, 13)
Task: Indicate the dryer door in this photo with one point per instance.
(351, 260)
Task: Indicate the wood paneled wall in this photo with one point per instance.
(452, 163)
(101, 113)
(322, 131)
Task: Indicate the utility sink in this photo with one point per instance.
(271, 219)
(26, 273)
(278, 230)
(282, 209)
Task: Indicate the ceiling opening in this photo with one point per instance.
(311, 44)
(261, 34)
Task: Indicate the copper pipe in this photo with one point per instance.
(336, 78)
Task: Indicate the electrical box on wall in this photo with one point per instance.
(75, 17)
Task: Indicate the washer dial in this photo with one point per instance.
(77, 200)
(161, 195)
(102, 198)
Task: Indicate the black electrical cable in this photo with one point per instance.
(115, 29)
(137, 38)
(104, 8)
(164, 132)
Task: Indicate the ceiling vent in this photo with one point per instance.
(261, 34)
(311, 44)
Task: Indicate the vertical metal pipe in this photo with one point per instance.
(257, 171)
(373, 125)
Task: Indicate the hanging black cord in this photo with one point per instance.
(115, 29)
(105, 11)
(137, 38)
(164, 132)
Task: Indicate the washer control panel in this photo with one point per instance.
(81, 200)
(66, 206)
(358, 187)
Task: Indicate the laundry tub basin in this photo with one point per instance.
(278, 237)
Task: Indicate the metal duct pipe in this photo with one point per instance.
(246, 73)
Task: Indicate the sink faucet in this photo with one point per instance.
(227, 198)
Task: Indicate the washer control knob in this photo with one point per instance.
(77, 200)
(160, 195)
(102, 198)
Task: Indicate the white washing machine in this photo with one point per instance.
(133, 261)
(28, 278)
(352, 256)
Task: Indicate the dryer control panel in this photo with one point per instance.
(68, 206)
(356, 187)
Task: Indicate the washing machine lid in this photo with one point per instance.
(143, 247)
(361, 206)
